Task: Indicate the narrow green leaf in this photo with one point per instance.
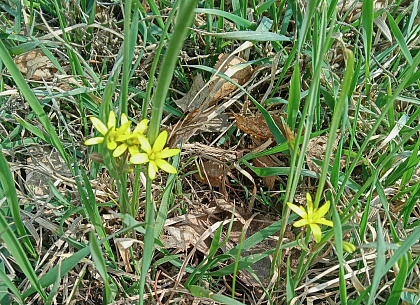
(33, 102)
(100, 265)
(294, 98)
(19, 255)
(398, 286)
(400, 39)
(8, 185)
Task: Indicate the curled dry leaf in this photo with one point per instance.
(241, 76)
(256, 125)
(200, 91)
(35, 65)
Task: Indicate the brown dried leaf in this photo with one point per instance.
(241, 76)
(195, 97)
(35, 65)
(266, 161)
(316, 150)
(256, 125)
(212, 173)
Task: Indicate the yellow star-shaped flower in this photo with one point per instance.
(312, 217)
(155, 155)
(110, 129)
(131, 141)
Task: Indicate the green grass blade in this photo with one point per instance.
(100, 265)
(9, 284)
(19, 255)
(200, 292)
(338, 238)
(244, 23)
(8, 185)
(335, 121)
(183, 21)
(367, 23)
(33, 102)
(294, 98)
(400, 39)
(398, 286)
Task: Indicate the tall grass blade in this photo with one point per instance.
(8, 185)
(33, 102)
(19, 255)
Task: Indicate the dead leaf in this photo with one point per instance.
(256, 125)
(242, 75)
(195, 97)
(316, 150)
(123, 245)
(212, 173)
(264, 162)
(35, 65)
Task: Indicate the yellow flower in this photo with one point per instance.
(155, 155)
(110, 130)
(130, 140)
(312, 218)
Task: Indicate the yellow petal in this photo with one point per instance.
(112, 122)
(152, 170)
(119, 150)
(296, 209)
(139, 159)
(301, 223)
(94, 141)
(141, 127)
(111, 145)
(160, 141)
(166, 152)
(145, 145)
(310, 205)
(316, 230)
(99, 126)
(323, 221)
(165, 166)
(124, 119)
(324, 209)
(134, 150)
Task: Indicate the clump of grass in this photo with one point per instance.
(318, 71)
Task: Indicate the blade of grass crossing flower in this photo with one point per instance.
(17, 252)
(338, 237)
(398, 286)
(400, 39)
(33, 102)
(8, 185)
(100, 265)
(307, 121)
(183, 21)
(367, 23)
(335, 121)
